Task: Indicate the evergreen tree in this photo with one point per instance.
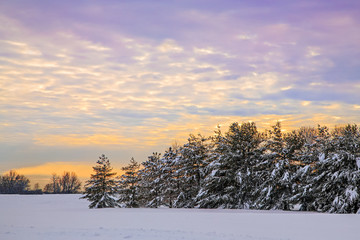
(244, 142)
(151, 182)
(229, 182)
(171, 184)
(191, 166)
(128, 186)
(101, 189)
(305, 157)
(276, 188)
(336, 181)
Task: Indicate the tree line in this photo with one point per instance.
(14, 183)
(308, 169)
(67, 183)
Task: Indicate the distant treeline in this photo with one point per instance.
(67, 183)
(14, 183)
(309, 169)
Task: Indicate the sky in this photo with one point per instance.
(127, 78)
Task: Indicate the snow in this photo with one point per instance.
(55, 217)
(358, 162)
(351, 194)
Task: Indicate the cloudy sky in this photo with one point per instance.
(126, 78)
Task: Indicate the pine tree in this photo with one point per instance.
(245, 141)
(170, 187)
(229, 181)
(191, 166)
(128, 186)
(210, 193)
(101, 189)
(306, 144)
(336, 181)
(276, 188)
(151, 182)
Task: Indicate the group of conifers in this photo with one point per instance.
(308, 169)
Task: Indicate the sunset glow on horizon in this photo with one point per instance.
(128, 78)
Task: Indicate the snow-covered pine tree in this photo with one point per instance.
(128, 186)
(101, 189)
(335, 186)
(170, 187)
(245, 141)
(211, 192)
(276, 188)
(305, 156)
(151, 182)
(316, 148)
(191, 165)
(229, 182)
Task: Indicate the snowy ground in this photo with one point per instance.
(66, 217)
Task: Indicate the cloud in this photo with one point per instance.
(23, 48)
(168, 46)
(137, 74)
(211, 51)
(76, 140)
(97, 47)
(246, 37)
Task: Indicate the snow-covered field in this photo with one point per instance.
(66, 217)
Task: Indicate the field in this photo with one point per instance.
(37, 217)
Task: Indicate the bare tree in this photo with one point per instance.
(54, 185)
(13, 183)
(67, 183)
(70, 183)
(36, 186)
